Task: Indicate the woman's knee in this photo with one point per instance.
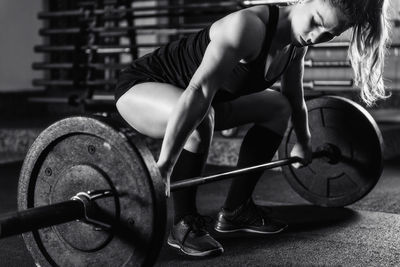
(146, 113)
(137, 117)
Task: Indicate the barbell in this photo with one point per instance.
(99, 49)
(316, 85)
(309, 63)
(124, 31)
(90, 192)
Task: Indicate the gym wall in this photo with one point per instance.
(19, 33)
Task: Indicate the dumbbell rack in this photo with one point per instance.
(72, 63)
(86, 43)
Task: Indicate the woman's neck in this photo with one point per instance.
(284, 28)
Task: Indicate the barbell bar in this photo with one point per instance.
(122, 31)
(317, 85)
(117, 49)
(324, 85)
(343, 45)
(248, 3)
(70, 65)
(96, 82)
(15, 223)
(182, 184)
(309, 63)
(99, 49)
(116, 66)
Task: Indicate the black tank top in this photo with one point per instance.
(176, 63)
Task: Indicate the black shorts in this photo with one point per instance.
(128, 78)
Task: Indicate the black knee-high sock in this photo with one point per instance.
(259, 146)
(188, 165)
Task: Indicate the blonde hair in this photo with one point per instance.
(368, 45)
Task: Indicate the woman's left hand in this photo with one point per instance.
(304, 152)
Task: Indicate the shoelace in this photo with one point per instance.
(251, 214)
(198, 223)
(256, 213)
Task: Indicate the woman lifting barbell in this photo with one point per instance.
(217, 78)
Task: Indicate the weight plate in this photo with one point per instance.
(345, 125)
(82, 154)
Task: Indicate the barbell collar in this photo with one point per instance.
(87, 199)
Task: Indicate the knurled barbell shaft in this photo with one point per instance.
(14, 223)
(226, 175)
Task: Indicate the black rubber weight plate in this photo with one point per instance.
(348, 126)
(79, 154)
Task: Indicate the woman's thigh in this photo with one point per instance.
(147, 107)
(267, 108)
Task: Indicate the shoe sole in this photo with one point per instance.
(247, 230)
(196, 254)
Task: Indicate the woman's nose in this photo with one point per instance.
(314, 37)
(310, 38)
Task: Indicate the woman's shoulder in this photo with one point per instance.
(261, 11)
(243, 31)
(243, 23)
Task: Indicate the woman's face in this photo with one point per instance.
(316, 21)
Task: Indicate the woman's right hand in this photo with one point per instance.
(165, 172)
(304, 152)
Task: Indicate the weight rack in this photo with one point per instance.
(87, 42)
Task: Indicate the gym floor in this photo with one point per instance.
(363, 234)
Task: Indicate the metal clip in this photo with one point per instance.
(88, 198)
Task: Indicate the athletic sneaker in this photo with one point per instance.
(248, 218)
(191, 237)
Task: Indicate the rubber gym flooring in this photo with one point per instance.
(364, 234)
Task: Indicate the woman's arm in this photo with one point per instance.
(230, 42)
(292, 88)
